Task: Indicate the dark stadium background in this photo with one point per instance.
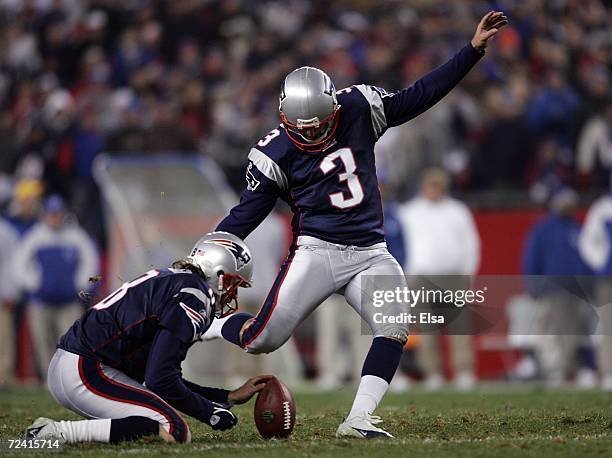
(79, 78)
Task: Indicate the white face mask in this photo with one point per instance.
(314, 134)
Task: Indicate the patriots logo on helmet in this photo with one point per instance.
(330, 89)
(240, 255)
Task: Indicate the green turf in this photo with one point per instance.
(490, 422)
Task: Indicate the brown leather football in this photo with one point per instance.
(274, 410)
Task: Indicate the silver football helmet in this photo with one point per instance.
(309, 108)
(227, 264)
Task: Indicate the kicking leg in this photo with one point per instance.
(385, 353)
(304, 281)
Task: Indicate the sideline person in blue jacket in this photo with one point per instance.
(54, 262)
(551, 261)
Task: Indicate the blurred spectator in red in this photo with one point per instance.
(52, 139)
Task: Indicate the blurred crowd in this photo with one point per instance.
(82, 77)
(78, 77)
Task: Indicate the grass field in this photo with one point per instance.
(497, 421)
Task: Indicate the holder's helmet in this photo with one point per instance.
(227, 264)
(309, 108)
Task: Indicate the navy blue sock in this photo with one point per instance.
(231, 329)
(383, 358)
(586, 357)
(132, 428)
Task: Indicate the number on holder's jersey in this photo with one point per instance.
(119, 293)
(328, 163)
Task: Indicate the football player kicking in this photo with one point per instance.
(320, 160)
(120, 364)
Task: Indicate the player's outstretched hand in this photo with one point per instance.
(246, 391)
(488, 26)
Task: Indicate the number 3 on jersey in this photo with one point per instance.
(328, 163)
(268, 138)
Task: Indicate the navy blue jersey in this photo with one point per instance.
(334, 194)
(119, 331)
(145, 328)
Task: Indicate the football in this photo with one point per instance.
(274, 410)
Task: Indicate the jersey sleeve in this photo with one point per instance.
(218, 395)
(188, 315)
(389, 109)
(265, 183)
(163, 376)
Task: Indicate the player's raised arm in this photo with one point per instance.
(408, 103)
